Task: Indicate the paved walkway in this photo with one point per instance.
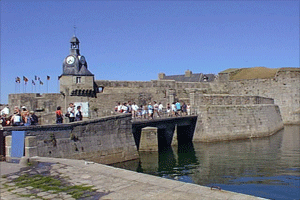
(108, 183)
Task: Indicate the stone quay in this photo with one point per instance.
(107, 182)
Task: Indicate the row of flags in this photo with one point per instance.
(36, 78)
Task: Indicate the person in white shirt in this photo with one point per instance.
(120, 107)
(134, 111)
(155, 106)
(174, 110)
(125, 108)
(5, 111)
(160, 108)
(71, 112)
(188, 108)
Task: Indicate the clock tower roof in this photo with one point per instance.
(74, 40)
(74, 63)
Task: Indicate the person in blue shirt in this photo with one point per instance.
(178, 108)
(150, 111)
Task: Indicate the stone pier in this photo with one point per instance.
(108, 183)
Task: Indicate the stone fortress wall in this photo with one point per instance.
(284, 88)
(226, 110)
(229, 117)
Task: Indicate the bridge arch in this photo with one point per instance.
(185, 127)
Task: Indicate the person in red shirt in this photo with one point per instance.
(59, 115)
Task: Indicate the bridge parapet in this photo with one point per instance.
(105, 140)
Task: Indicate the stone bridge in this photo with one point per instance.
(185, 127)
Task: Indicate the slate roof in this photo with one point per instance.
(84, 71)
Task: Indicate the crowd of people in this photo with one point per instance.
(154, 109)
(72, 114)
(20, 117)
(23, 117)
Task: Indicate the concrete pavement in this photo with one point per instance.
(108, 182)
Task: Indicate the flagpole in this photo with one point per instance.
(58, 85)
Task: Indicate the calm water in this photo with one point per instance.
(266, 167)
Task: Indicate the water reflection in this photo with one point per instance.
(268, 167)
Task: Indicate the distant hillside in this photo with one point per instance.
(251, 73)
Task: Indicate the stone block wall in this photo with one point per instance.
(284, 88)
(148, 141)
(105, 140)
(223, 99)
(35, 101)
(229, 122)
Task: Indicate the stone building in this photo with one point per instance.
(76, 79)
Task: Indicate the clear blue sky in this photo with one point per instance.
(136, 40)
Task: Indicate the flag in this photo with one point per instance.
(35, 77)
(48, 78)
(41, 82)
(18, 80)
(33, 83)
(38, 78)
(25, 79)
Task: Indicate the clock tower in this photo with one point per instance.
(76, 79)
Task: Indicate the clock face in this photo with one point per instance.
(82, 59)
(70, 60)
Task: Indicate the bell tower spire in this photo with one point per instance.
(74, 30)
(74, 46)
(76, 79)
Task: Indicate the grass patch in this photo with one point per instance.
(6, 186)
(254, 73)
(46, 183)
(26, 195)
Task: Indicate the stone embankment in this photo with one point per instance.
(231, 117)
(102, 182)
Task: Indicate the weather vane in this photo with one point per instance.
(74, 27)
(74, 30)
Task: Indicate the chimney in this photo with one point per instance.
(188, 73)
(161, 76)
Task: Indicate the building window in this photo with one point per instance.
(100, 89)
(78, 79)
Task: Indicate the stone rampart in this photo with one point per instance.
(224, 99)
(105, 140)
(35, 101)
(229, 122)
(284, 88)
